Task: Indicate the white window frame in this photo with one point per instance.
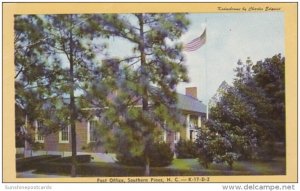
(176, 137)
(89, 129)
(37, 134)
(60, 136)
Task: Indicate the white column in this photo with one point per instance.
(199, 121)
(165, 132)
(187, 126)
(165, 135)
(88, 132)
(176, 136)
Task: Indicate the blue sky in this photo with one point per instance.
(230, 37)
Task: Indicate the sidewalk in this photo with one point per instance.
(30, 174)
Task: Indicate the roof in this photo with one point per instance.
(185, 102)
(189, 103)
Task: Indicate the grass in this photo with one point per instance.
(184, 164)
(179, 167)
(274, 167)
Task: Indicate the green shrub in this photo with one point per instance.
(30, 163)
(91, 169)
(206, 147)
(160, 155)
(279, 148)
(186, 149)
(130, 160)
(108, 170)
(266, 151)
(79, 159)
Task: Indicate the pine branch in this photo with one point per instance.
(129, 58)
(19, 72)
(132, 64)
(36, 43)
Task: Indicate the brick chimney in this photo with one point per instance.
(191, 91)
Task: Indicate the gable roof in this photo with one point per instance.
(189, 103)
(185, 102)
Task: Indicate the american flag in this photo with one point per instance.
(196, 43)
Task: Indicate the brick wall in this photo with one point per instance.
(51, 142)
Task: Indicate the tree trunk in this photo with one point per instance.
(147, 167)
(74, 162)
(143, 63)
(72, 109)
(144, 80)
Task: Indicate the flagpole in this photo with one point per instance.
(194, 45)
(207, 100)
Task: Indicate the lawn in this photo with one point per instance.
(179, 167)
(274, 167)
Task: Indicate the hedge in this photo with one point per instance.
(30, 163)
(108, 170)
(79, 159)
(88, 169)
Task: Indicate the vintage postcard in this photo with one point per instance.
(150, 92)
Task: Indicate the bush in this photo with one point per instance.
(129, 159)
(279, 149)
(79, 159)
(267, 151)
(160, 155)
(186, 149)
(90, 169)
(109, 170)
(30, 163)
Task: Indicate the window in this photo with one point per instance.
(191, 135)
(38, 132)
(64, 135)
(176, 137)
(92, 135)
(193, 122)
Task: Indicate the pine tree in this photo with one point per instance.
(147, 78)
(30, 72)
(65, 61)
(57, 70)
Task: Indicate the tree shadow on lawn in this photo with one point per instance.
(274, 167)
